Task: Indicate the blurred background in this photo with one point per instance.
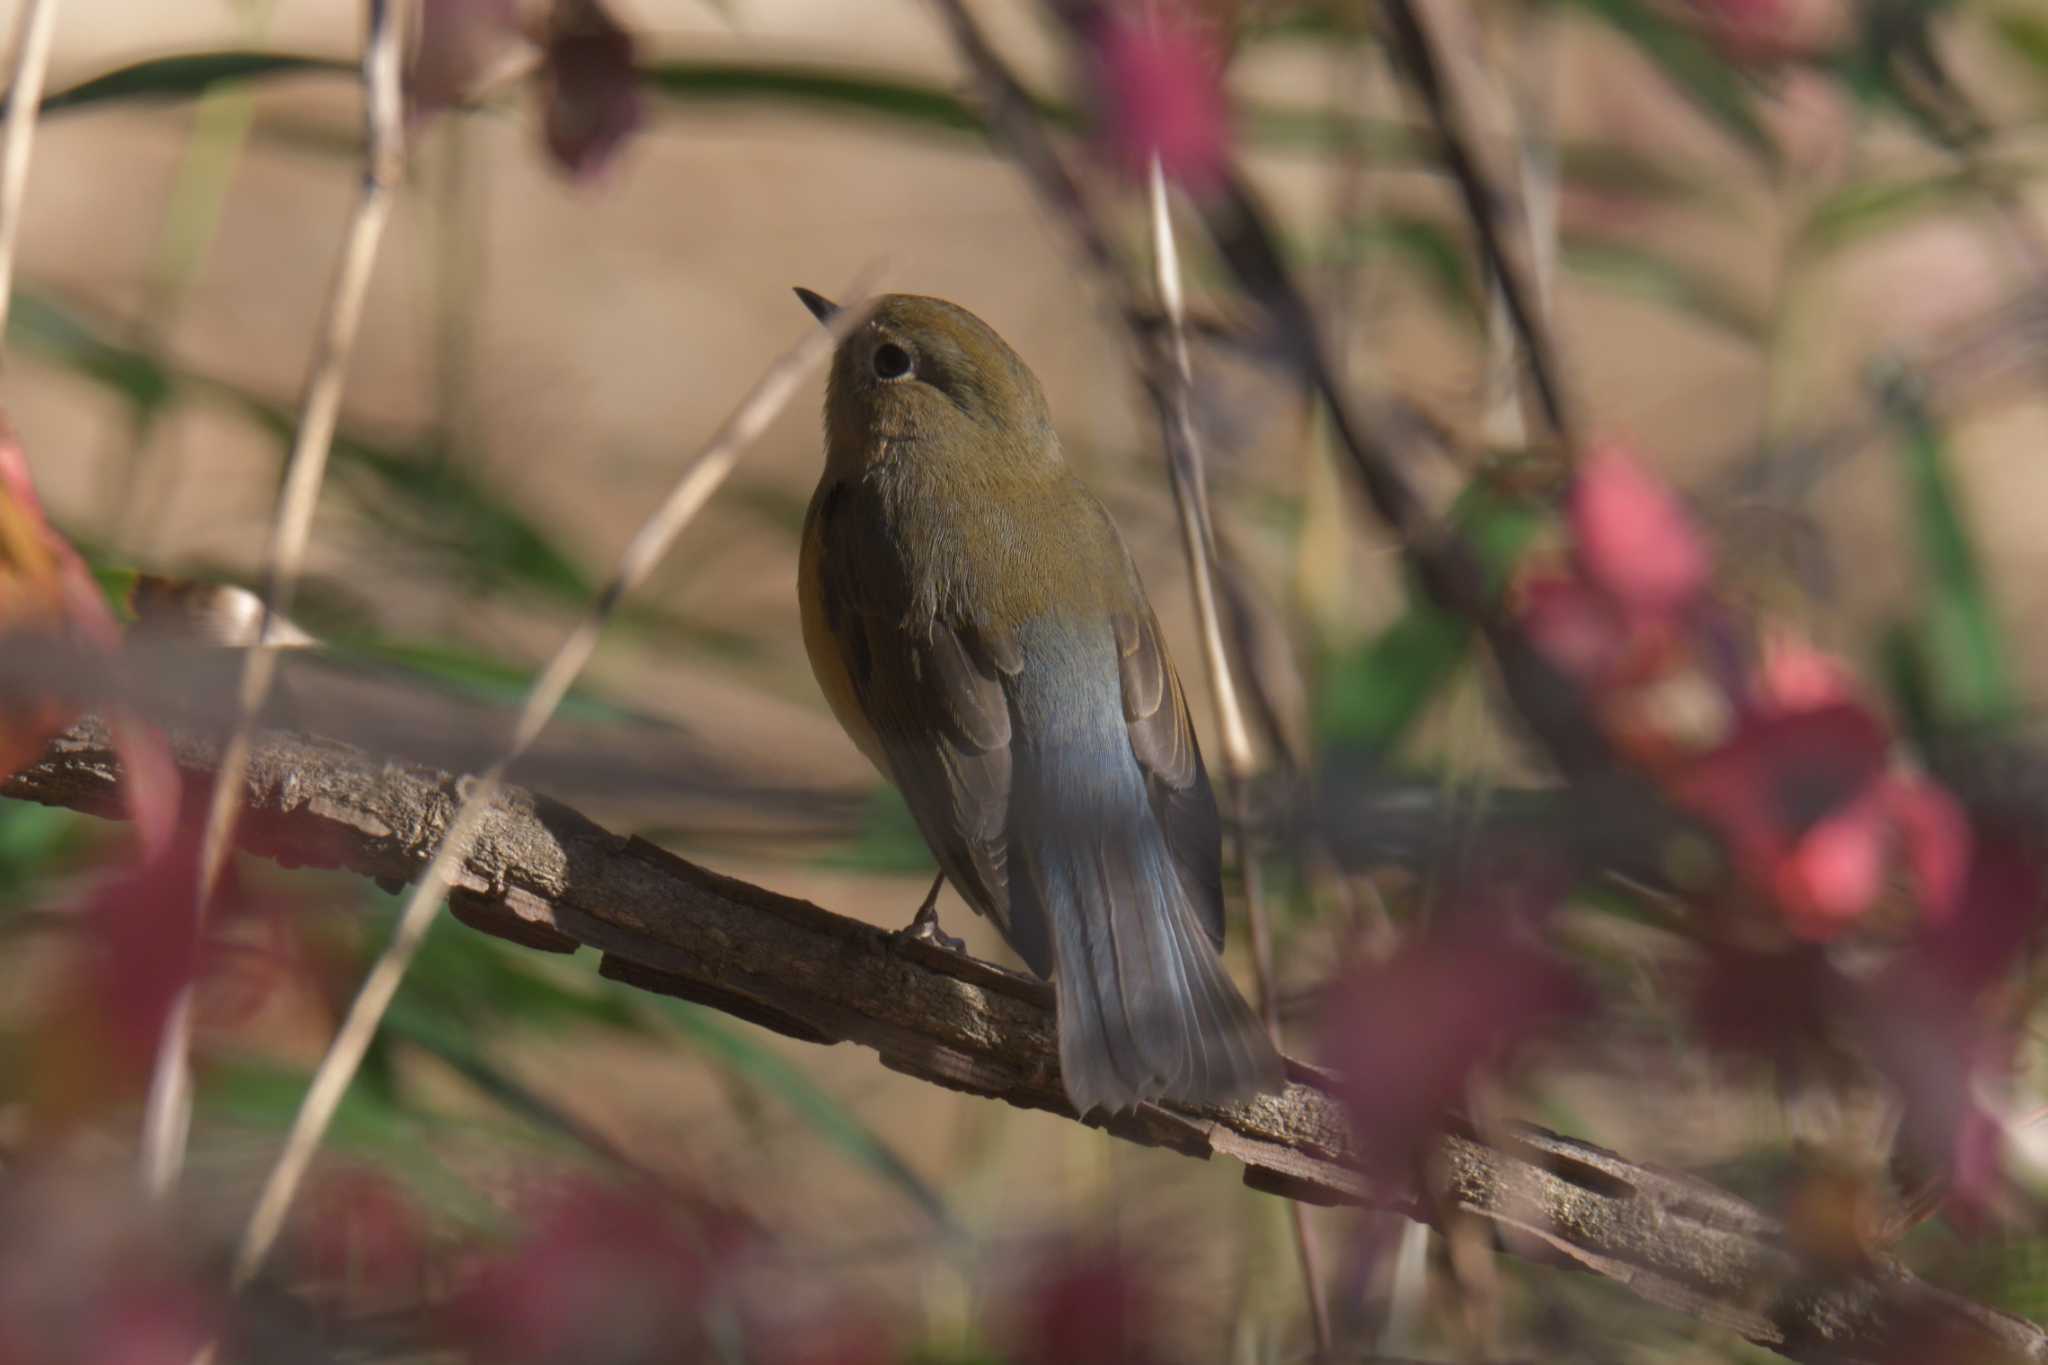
(1742, 220)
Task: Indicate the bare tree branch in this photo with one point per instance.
(543, 875)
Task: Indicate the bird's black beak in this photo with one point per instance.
(822, 308)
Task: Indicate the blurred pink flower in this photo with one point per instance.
(1774, 1004)
(1159, 92)
(46, 589)
(359, 1238)
(1632, 541)
(1086, 1304)
(1780, 757)
(603, 1276)
(1794, 676)
(1616, 615)
(1577, 629)
(1813, 809)
(1408, 1034)
(87, 1276)
(1774, 30)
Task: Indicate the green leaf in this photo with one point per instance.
(1437, 252)
(1631, 270)
(1693, 65)
(910, 103)
(1622, 172)
(41, 324)
(462, 982)
(1861, 210)
(1963, 655)
(465, 985)
(36, 843)
(2026, 35)
(186, 77)
(483, 676)
(1368, 699)
(740, 1055)
(1903, 666)
(888, 842)
(266, 1095)
(116, 584)
(429, 503)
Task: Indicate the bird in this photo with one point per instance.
(978, 627)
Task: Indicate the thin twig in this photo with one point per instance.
(1530, 59)
(1416, 53)
(24, 101)
(1184, 469)
(168, 1109)
(1444, 563)
(700, 478)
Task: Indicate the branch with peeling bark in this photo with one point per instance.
(545, 876)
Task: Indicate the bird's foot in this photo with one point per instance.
(924, 928)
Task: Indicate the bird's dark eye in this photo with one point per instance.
(891, 361)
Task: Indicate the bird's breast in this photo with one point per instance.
(827, 652)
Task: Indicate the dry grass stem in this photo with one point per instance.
(700, 478)
(37, 26)
(1184, 465)
(167, 1110)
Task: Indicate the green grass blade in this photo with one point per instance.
(462, 985)
(888, 842)
(1964, 657)
(911, 103)
(186, 77)
(825, 1115)
(1629, 269)
(1693, 66)
(2026, 37)
(1868, 208)
(1368, 699)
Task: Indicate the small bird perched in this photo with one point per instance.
(980, 631)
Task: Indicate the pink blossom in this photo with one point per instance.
(1937, 839)
(1159, 92)
(1409, 1033)
(1632, 539)
(1835, 870)
(46, 589)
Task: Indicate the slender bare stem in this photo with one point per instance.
(24, 101)
(1524, 61)
(700, 478)
(167, 1110)
(1415, 49)
(1184, 466)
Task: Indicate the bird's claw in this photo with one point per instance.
(925, 929)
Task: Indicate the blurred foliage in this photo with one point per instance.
(1720, 88)
(1369, 698)
(1631, 980)
(1957, 676)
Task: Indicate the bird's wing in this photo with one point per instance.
(1163, 738)
(935, 701)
